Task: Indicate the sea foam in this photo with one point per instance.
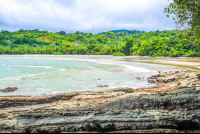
(34, 66)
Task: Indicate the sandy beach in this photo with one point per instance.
(191, 62)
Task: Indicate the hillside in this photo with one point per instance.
(124, 30)
(155, 43)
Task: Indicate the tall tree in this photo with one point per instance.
(62, 32)
(187, 15)
(129, 44)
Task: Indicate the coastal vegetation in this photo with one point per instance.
(117, 42)
(187, 16)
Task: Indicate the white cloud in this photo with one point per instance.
(83, 15)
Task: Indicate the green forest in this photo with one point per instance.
(117, 42)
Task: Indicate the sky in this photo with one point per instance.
(92, 16)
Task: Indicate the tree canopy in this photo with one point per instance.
(187, 15)
(154, 43)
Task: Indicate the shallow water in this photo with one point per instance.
(38, 76)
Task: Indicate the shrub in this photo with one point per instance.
(118, 54)
(97, 53)
(106, 51)
(57, 53)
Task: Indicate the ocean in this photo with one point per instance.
(37, 76)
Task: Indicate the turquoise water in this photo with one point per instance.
(39, 76)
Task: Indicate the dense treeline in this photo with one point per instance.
(165, 43)
(156, 43)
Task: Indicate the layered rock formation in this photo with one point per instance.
(13, 101)
(173, 105)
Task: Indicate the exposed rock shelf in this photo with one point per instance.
(173, 105)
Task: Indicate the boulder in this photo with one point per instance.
(152, 80)
(198, 76)
(103, 86)
(138, 78)
(177, 71)
(10, 89)
(162, 75)
(166, 79)
(154, 76)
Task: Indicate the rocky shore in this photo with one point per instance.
(172, 105)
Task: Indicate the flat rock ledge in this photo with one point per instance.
(172, 105)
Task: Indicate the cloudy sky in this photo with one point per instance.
(84, 15)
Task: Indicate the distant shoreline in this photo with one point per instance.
(187, 62)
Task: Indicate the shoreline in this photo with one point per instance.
(140, 59)
(164, 84)
(180, 62)
(174, 61)
(112, 110)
